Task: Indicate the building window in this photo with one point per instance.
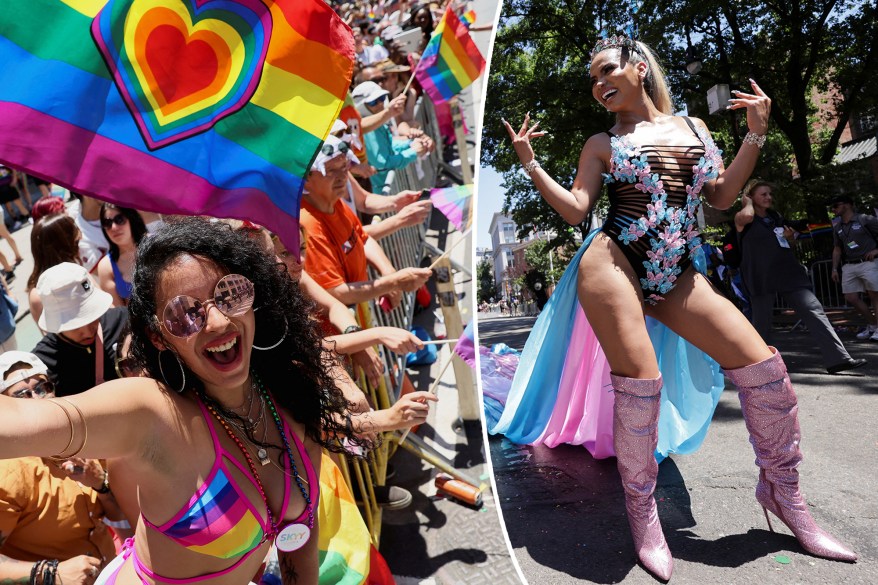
(866, 123)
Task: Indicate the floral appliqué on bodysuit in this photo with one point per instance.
(675, 226)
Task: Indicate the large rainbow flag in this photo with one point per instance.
(451, 60)
(347, 556)
(198, 107)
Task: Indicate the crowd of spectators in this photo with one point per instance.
(84, 253)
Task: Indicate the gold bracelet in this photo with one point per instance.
(72, 430)
(84, 427)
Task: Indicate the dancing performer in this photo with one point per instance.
(222, 441)
(637, 277)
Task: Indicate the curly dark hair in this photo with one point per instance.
(53, 240)
(296, 372)
(135, 221)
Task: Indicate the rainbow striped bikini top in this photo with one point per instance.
(219, 520)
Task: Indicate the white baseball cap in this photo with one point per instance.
(70, 298)
(369, 91)
(10, 358)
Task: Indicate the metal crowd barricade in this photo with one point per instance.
(828, 291)
(404, 248)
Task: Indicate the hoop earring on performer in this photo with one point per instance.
(182, 372)
(279, 341)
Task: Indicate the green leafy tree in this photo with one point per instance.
(795, 49)
(485, 281)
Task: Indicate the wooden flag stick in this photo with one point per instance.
(448, 251)
(432, 390)
(440, 341)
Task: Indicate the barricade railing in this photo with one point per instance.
(404, 248)
(827, 291)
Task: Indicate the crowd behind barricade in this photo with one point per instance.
(65, 518)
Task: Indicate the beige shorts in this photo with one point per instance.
(860, 277)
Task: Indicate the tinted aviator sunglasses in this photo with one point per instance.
(38, 390)
(375, 102)
(108, 222)
(184, 316)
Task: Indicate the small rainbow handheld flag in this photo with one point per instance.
(196, 107)
(455, 203)
(451, 60)
(346, 553)
(468, 18)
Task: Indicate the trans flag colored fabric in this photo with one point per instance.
(347, 556)
(561, 391)
(195, 107)
(451, 60)
(455, 203)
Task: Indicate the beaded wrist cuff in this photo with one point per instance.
(757, 140)
(529, 167)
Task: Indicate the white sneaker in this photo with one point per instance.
(874, 336)
(867, 333)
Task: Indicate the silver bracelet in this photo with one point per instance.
(531, 166)
(757, 140)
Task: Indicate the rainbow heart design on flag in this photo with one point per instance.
(183, 65)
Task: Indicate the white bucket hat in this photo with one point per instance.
(10, 358)
(70, 298)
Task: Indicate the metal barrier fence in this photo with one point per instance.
(827, 291)
(404, 248)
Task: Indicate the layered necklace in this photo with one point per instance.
(294, 536)
(249, 422)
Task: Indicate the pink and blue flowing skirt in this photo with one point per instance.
(561, 391)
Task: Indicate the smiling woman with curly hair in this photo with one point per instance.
(222, 441)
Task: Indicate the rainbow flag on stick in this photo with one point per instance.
(455, 203)
(451, 60)
(196, 107)
(347, 556)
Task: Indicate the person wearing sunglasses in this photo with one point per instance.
(855, 247)
(51, 512)
(384, 151)
(222, 436)
(81, 328)
(124, 229)
(340, 251)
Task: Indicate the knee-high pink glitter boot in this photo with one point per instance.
(635, 435)
(771, 415)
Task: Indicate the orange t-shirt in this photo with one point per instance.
(336, 251)
(46, 515)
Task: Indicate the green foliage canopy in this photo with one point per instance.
(801, 52)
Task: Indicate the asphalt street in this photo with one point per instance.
(565, 516)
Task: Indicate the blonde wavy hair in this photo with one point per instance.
(654, 83)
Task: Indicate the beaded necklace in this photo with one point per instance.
(293, 536)
(250, 464)
(287, 448)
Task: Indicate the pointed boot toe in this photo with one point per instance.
(657, 561)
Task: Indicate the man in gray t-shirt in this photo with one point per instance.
(855, 248)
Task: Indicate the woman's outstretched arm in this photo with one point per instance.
(113, 420)
(723, 192)
(573, 204)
